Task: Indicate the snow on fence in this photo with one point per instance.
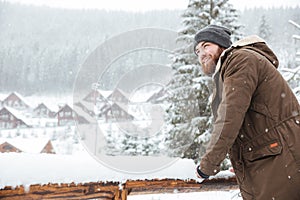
(115, 190)
(53, 176)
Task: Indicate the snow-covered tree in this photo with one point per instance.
(189, 114)
(112, 146)
(292, 75)
(140, 146)
(264, 30)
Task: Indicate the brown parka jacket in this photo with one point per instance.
(257, 123)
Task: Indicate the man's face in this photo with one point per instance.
(208, 54)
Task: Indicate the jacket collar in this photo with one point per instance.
(247, 41)
(243, 42)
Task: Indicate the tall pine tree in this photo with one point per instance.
(189, 114)
(292, 74)
(264, 30)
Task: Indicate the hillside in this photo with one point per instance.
(43, 48)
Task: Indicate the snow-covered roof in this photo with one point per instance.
(19, 115)
(51, 102)
(64, 106)
(50, 107)
(83, 114)
(105, 93)
(144, 96)
(20, 97)
(88, 105)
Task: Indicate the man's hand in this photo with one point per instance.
(200, 180)
(201, 175)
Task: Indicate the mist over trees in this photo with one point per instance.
(276, 22)
(42, 48)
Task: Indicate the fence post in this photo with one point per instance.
(124, 194)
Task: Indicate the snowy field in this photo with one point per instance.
(214, 195)
(82, 168)
(72, 163)
(27, 169)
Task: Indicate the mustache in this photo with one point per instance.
(205, 59)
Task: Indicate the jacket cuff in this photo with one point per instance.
(200, 173)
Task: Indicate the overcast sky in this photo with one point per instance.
(144, 5)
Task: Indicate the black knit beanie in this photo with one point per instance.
(216, 34)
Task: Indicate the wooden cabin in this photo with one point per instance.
(118, 96)
(69, 116)
(115, 113)
(16, 101)
(11, 118)
(43, 111)
(94, 96)
(65, 116)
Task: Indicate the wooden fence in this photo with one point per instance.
(114, 190)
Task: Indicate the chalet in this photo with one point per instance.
(16, 101)
(94, 96)
(7, 147)
(12, 118)
(118, 96)
(43, 111)
(115, 112)
(69, 116)
(65, 116)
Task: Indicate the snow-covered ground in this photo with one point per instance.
(27, 169)
(213, 195)
(31, 140)
(72, 163)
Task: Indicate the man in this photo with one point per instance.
(256, 116)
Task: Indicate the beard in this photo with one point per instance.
(209, 62)
(209, 67)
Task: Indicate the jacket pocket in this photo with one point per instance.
(271, 149)
(261, 110)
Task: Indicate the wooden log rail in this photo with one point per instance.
(114, 190)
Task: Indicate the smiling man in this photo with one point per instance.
(256, 116)
(217, 39)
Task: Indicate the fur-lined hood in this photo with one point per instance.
(254, 43)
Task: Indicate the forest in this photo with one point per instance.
(43, 48)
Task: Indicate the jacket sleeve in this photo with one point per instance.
(240, 78)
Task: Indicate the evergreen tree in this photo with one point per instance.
(264, 30)
(112, 147)
(130, 145)
(189, 114)
(292, 75)
(135, 145)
